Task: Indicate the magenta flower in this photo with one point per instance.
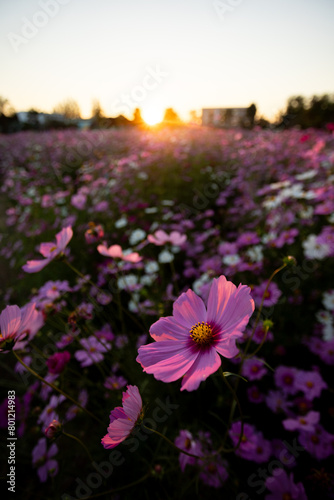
(92, 352)
(42, 458)
(116, 252)
(282, 486)
(214, 473)
(311, 383)
(188, 343)
(305, 422)
(285, 379)
(49, 251)
(160, 237)
(270, 297)
(57, 362)
(185, 441)
(15, 323)
(253, 369)
(53, 430)
(123, 419)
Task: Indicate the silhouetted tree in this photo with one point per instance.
(317, 112)
(69, 109)
(98, 119)
(171, 116)
(137, 118)
(251, 112)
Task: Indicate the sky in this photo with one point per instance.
(156, 54)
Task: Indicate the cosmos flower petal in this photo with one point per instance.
(132, 404)
(63, 238)
(47, 248)
(206, 363)
(123, 420)
(10, 320)
(227, 348)
(108, 442)
(28, 314)
(168, 328)
(166, 360)
(116, 413)
(112, 251)
(33, 266)
(220, 292)
(189, 309)
(228, 305)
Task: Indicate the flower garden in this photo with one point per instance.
(167, 301)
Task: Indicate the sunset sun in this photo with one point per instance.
(152, 116)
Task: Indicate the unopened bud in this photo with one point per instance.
(53, 430)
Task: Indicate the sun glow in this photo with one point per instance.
(152, 116)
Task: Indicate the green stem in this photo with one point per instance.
(115, 490)
(75, 270)
(81, 443)
(261, 306)
(236, 400)
(55, 388)
(171, 443)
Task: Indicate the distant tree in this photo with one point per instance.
(4, 103)
(32, 122)
(69, 109)
(171, 116)
(5, 107)
(97, 111)
(98, 118)
(137, 118)
(316, 112)
(195, 117)
(251, 112)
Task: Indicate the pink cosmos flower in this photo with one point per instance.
(305, 422)
(53, 430)
(253, 446)
(285, 379)
(123, 419)
(311, 383)
(214, 473)
(57, 362)
(282, 486)
(160, 237)
(42, 458)
(115, 251)
(188, 343)
(319, 443)
(271, 296)
(253, 369)
(49, 251)
(185, 441)
(15, 323)
(92, 352)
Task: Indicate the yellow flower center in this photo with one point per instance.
(201, 333)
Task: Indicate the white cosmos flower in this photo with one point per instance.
(136, 236)
(122, 222)
(165, 256)
(328, 300)
(313, 249)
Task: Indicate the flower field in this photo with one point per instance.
(167, 301)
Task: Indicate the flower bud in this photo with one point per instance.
(53, 430)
